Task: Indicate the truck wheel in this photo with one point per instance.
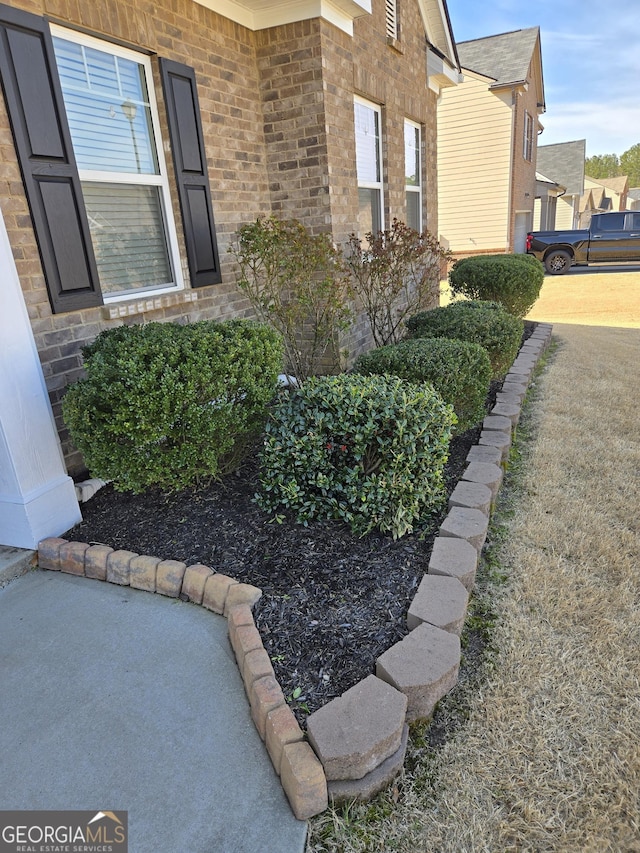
(558, 262)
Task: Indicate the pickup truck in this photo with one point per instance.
(610, 238)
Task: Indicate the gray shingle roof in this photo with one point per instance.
(505, 57)
(564, 163)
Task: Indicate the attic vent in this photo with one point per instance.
(391, 18)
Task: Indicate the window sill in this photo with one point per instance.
(396, 44)
(144, 306)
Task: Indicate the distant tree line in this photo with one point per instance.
(610, 165)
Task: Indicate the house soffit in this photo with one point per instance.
(437, 27)
(482, 78)
(262, 14)
(549, 182)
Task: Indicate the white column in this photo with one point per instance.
(37, 497)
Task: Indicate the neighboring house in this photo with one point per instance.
(610, 193)
(487, 141)
(563, 163)
(587, 208)
(633, 199)
(594, 200)
(137, 135)
(547, 194)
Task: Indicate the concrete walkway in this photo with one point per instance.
(113, 698)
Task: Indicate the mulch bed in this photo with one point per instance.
(332, 602)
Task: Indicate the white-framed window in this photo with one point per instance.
(368, 121)
(391, 19)
(413, 174)
(528, 137)
(115, 131)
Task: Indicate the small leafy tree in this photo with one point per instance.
(602, 166)
(630, 165)
(295, 282)
(395, 274)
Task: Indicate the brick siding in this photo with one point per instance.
(523, 173)
(277, 116)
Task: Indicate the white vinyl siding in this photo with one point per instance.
(474, 156)
(565, 213)
(114, 127)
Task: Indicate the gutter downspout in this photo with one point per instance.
(514, 97)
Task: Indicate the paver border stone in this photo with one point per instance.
(301, 772)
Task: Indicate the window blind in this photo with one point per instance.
(126, 225)
(367, 144)
(107, 109)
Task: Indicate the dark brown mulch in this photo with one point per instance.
(332, 602)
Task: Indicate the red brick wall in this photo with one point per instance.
(290, 67)
(223, 55)
(523, 174)
(396, 79)
(277, 115)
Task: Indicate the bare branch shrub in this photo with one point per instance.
(395, 274)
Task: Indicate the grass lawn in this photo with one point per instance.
(548, 757)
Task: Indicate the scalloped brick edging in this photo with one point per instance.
(300, 771)
(424, 665)
(360, 738)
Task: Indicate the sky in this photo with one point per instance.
(590, 63)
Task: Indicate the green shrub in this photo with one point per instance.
(168, 405)
(484, 323)
(514, 281)
(369, 450)
(460, 371)
(296, 282)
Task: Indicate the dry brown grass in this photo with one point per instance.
(586, 296)
(590, 297)
(550, 757)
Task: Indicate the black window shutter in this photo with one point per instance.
(43, 144)
(190, 162)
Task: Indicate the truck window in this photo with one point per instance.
(609, 222)
(635, 222)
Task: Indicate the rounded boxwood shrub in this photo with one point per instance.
(169, 405)
(369, 450)
(460, 371)
(481, 322)
(514, 281)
